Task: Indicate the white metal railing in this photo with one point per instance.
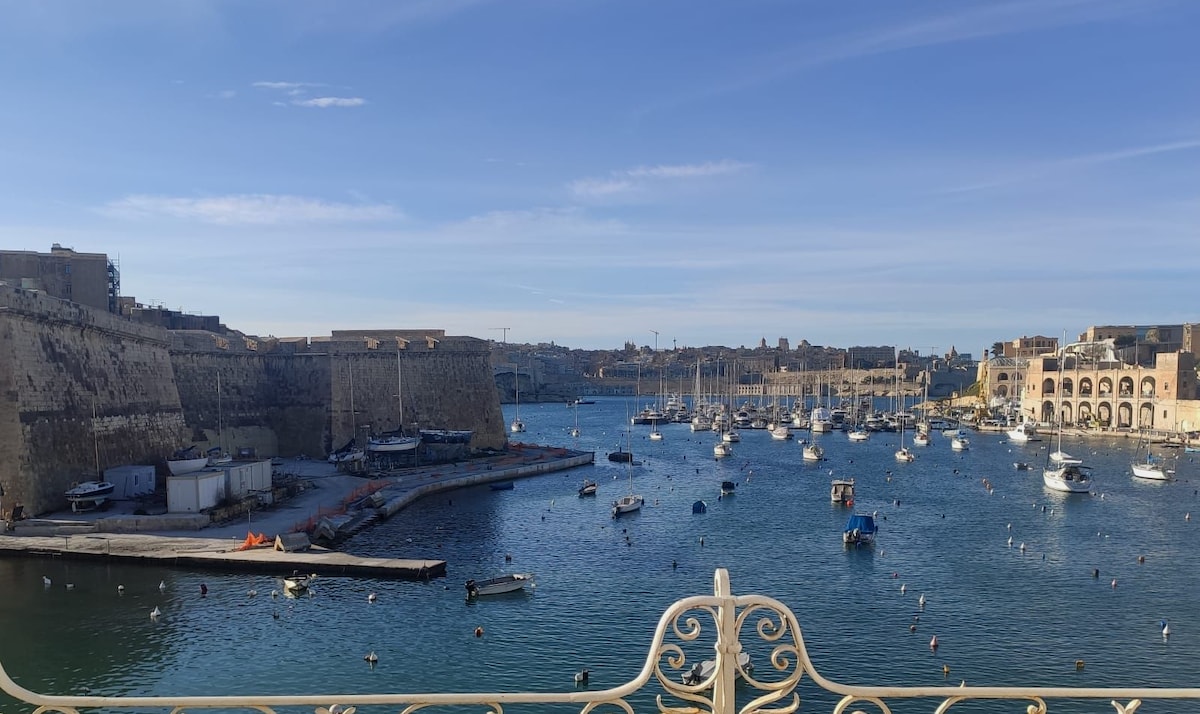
(770, 624)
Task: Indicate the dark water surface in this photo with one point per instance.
(1002, 617)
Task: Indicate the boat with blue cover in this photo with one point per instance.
(860, 530)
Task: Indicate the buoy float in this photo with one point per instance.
(1114, 583)
(933, 643)
(903, 588)
(912, 628)
(121, 589)
(479, 632)
(1141, 559)
(1078, 665)
(581, 677)
(371, 657)
(945, 670)
(921, 601)
(372, 597)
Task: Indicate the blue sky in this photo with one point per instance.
(922, 174)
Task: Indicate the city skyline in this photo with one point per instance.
(922, 175)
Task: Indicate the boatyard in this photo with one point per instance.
(331, 507)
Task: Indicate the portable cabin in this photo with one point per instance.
(194, 492)
(130, 481)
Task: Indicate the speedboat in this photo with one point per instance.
(728, 488)
(812, 452)
(88, 495)
(704, 670)
(841, 492)
(1023, 433)
(860, 530)
(295, 584)
(589, 488)
(858, 434)
(960, 443)
(501, 584)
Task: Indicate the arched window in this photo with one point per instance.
(1085, 387)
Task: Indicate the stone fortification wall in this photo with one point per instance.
(80, 390)
(275, 404)
(443, 383)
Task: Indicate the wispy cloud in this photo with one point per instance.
(286, 86)
(248, 209)
(629, 180)
(599, 187)
(326, 102)
(1044, 169)
(974, 22)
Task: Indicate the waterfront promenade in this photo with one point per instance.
(331, 499)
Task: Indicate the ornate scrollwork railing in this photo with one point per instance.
(706, 686)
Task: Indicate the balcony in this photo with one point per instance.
(700, 624)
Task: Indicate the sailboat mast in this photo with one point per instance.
(399, 395)
(96, 440)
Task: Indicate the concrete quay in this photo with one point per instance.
(349, 502)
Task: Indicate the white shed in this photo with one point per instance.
(192, 493)
(130, 481)
(244, 478)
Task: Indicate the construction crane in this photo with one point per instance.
(504, 332)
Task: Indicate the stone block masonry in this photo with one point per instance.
(82, 390)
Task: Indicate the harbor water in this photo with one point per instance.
(1094, 578)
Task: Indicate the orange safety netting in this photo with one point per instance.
(254, 541)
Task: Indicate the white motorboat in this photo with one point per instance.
(960, 443)
(858, 434)
(781, 432)
(501, 584)
(1023, 433)
(656, 435)
(589, 488)
(731, 437)
(394, 443)
(295, 584)
(813, 452)
(721, 450)
(821, 420)
(88, 495)
(841, 492)
(703, 671)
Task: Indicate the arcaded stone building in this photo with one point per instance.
(1097, 389)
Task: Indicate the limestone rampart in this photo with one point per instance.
(82, 390)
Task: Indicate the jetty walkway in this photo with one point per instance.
(335, 506)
